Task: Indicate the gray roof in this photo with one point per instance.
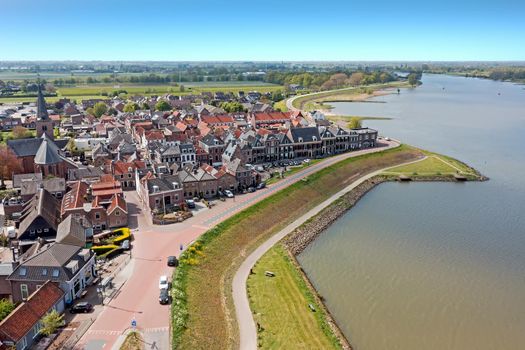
(48, 152)
(82, 173)
(49, 262)
(41, 113)
(70, 231)
(42, 204)
(164, 183)
(19, 179)
(305, 134)
(25, 147)
(55, 184)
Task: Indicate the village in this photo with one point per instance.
(67, 189)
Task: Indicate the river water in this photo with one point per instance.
(435, 265)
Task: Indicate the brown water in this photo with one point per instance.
(437, 265)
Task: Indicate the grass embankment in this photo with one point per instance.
(435, 165)
(203, 312)
(281, 306)
(133, 341)
(320, 100)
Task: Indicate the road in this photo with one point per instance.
(138, 297)
(247, 328)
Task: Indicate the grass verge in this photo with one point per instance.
(281, 306)
(202, 311)
(133, 341)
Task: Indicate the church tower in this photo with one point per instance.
(44, 125)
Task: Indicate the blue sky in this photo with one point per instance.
(203, 30)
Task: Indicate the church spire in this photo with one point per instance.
(41, 112)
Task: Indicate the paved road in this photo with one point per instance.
(138, 297)
(247, 329)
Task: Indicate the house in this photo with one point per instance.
(197, 182)
(21, 328)
(161, 194)
(40, 216)
(214, 147)
(124, 172)
(71, 266)
(243, 175)
(55, 185)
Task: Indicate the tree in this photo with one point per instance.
(99, 109)
(231, 107)
(131, 107)
(413, 79)
(19, 132)
(9, 164)
(354, 123)
(162, 106)
(90, 111)
(356, 78)
(6, 306)
(182, 88)
(145, 106)
(51, 322)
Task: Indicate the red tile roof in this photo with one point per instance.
(120, 167)
(75, 198)
(272, 116)
(118, 202)
(19, 322)
(217, 119)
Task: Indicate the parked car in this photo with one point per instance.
(81, 308)
(261, 185)
(251, 189)
(228, 193)
(126, 245)
(172, 261)
(164, 297)
(163, 282)
(190, 203)
(306, 161)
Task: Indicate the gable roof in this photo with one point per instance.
(42, 204)
(117, 202)
(19, 322)
(70, 231)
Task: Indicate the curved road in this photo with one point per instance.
(247, 329)
(137, 298)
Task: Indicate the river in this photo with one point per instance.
(435, 265)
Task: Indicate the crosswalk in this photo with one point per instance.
(109, 332)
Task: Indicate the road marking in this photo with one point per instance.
(156, 330)
(103, 332)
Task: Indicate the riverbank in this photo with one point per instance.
(203, 310)
(320, 100)
(294, 243)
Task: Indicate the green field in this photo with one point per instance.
(93, 91)
(434, 164)
(280, 305)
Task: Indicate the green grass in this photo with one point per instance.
(203, 314)
(95, 91)
(280, 305)
(281, 105)
(8, 135)
(133, 341)
(434, 164)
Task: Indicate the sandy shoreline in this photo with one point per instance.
(357, 98)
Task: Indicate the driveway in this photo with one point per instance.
(138, 297)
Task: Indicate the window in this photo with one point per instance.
(23, 271)
(44, 272)
(56, 272)
(36, 330)
(117, 213)
(46, 230)
(24, 291)
(24, 343)
(97, 216)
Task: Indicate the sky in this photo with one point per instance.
(269, 30)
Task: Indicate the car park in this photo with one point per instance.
(172, 261)
(163, 282)
(81, 308)
(228, 194)
(164, 297)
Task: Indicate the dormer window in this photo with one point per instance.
(56, 272)
(23, 271)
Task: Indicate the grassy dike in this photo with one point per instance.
(203, 315)
(281, 304)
